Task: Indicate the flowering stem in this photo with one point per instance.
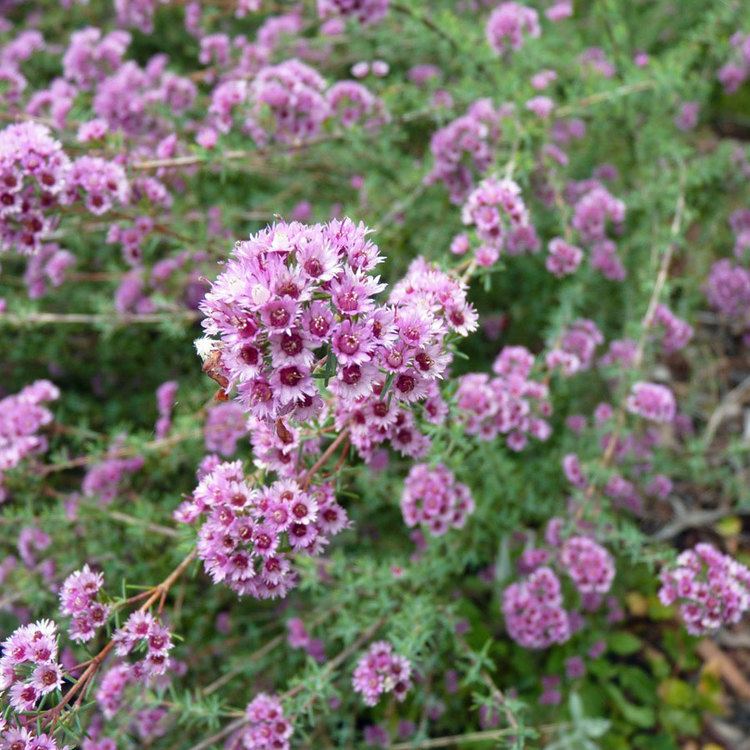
(153, 594)
(647, 320)
(305, 483)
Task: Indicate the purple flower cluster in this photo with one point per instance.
(424, 307)
(589, 565)
(78, 599)
(165, 398)
(22, 415)
(509, 404)
(99, 183)
(289, 103)
(534, 612)
(29, 666)
(364, 11)
(464, 148)
(91, 56)
(577, 347)
(33, 173)
(142, 628)
(245, 538)
(268, 728)
(563, 258)
(677, 332)
(737, 70)
(381, 671)
(711, 589)
(501, 220)
(651, 401)
(296, 300)
(593, 210)
(433, 498)
(20, 738)
(509, 25)
(225, 424)
(103, 479)
(728, 289)
(46, 266)
(298, 637)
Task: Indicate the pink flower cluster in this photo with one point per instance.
(48, 265)
(289, 103)
(676, 332)
(577, 347)
(534, 612)
(20, 738)
(295, 304)
(563, 258)
(651, 401)
(728, 289)
(711, 589)
(33, 173)
(534, 609)
(424, 307)
(508, 26)
(22, 415)
(464, 148)
(509, 404)
(142, 628)
(381, 671)
(99, 183)
(593, 210)
(243, 541)
(298, 637)
(103, 479)
(78, 599)
(364, 11)
(225, 424)
(165, 397)
(737, 70)
(432, 497)
(499, 215)
(589, 565)
(29, 665)
(268, 728)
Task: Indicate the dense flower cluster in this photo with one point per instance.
(711, 589)
(509, 25)
(103, 479)
(534, 612)
(497, 212)
(651, 401)
(29, 667)
(577, 347)
(78, 599)
(99, 183)
(33, 173)
(248, 533)
(563, 258)
(433, 498)
(464, 148)
(268, 728)
(296, 301)
(728, 289)
(142, 628)
(589, 565)
(365, 11)
(380, 671)
(48, 265)
(424, 307)
(22, 415)
(510, 404)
